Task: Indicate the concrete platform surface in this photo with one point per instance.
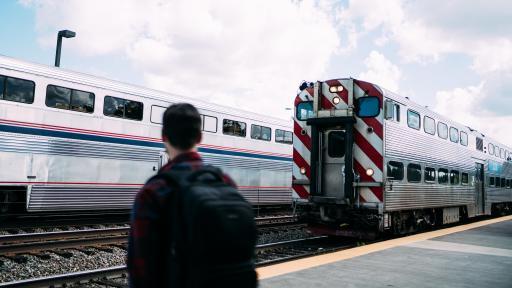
(473, 255)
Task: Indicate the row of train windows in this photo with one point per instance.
(395, 171)
(231, 127)
(500, 182)
(429, 126)
(498, 152)
(237, 128)
(20, 90)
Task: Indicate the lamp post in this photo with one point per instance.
(65, 34)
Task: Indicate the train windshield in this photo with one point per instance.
(305, 110)
(368, 106)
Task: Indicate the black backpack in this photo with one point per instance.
(211, 231)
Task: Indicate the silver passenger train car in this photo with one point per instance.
(70, 141)
(399, 169)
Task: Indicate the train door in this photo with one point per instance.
(333, 163)
(479, 189)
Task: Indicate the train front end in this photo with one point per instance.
(338, 157)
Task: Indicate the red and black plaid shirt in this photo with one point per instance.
(145, 248)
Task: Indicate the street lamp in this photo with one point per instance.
(65, 34)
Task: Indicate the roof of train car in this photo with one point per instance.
(425, 110)
(104, 83)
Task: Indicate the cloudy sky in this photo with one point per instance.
(454, 56)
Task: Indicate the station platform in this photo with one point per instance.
(478, 254)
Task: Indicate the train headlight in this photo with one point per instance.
(336, 100)
(369, 172)
(334, 89)
(302, 170)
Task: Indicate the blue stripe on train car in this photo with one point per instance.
(115, 140)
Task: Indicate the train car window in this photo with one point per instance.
(413, 173)
(133, 110)
(157, 114)
(58, 97)
(123, 108)
(260, 132)
(336, 144)
(454, 135)
(502, 153)
(490, 149)
(396, 112)
(288, 137)
(284, 136)
(503, 182)
(430, 174)
(491, 181)
(82, 101)
(209, 123)
(69, 99)
(413, 119)
(454, 177)
(442, 176)
(496, 151)
(442, 130)
(305, 110)
(479, 144)
(429, 125)
(464, 178)
(463, 138)
(395, 170)
(17, 90)
(509, 183)
(234, 128)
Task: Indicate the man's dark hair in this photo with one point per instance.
(182, 125)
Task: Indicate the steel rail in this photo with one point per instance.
(34, 242)
(121, 271)
(74, 277)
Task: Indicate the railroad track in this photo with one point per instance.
(38, 242)
(266, 254)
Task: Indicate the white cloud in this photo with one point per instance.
(232, 52)
(468, 106)
(381, 71)
(425, 30)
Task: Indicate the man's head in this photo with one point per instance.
(181, 129)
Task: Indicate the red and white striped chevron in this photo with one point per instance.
(368, 143)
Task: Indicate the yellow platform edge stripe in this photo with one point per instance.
(314, 261)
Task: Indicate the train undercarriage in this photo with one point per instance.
(367, 223)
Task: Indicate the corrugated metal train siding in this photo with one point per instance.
(418, 196)
(72, 197)
(426, 150)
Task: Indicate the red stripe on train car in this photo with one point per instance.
(377, 191)
(368, 149)
(326, 103)
(298, 100)
(304, 138)
(362, 172)
(376, 125)
(297, 159)
(301, 191)
(370, 89)
(343, 94)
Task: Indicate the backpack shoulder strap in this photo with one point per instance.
(176, 179)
